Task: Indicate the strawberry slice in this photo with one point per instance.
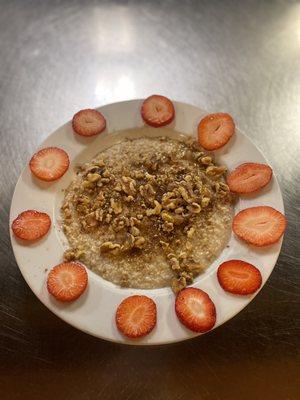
(249, 177)
(215, 130)
(31, 225)
(157, 111)
(88, 122)
(195, 310)
(259, 226)
(49, 164)
(136, 316)
(67, 281)
(239, 277)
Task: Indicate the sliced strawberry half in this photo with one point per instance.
(157, 111)
(249, 177)
(259, 226)
(239, 277)
(67, 281)
(49, 164)
(31, 225)
(215, 130)
(136, 316)
(195, 310)
(88, 122)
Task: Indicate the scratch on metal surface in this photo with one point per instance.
(211, 369)
(14, 335)
(10, 315)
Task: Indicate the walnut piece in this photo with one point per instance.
(109, 246)
(194, 208)
(139, 242)
(167, 226)
(178, 284)
(116, 207)
(128, 185)
(215, 171)
(154, 211)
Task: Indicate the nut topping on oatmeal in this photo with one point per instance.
(158, 209)
(109, 246)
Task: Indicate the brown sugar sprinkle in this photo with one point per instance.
(143, 213)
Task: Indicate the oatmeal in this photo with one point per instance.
(148, 213)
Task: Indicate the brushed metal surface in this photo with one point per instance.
(242, 57)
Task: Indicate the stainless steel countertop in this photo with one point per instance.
(242, 57)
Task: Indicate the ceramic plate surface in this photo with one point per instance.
(94, 311)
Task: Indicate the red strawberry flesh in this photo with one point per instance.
(31, 225)
(239, 277)
(249, 177)
(195, 310)
(49, 164)
(259, 226)
(157, 111)
(67, 281)
(136, 316)
(215, 130)
(88, 122)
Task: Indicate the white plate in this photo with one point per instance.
(94, 312)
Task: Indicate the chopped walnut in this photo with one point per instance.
(116, 206)
(73, 254)
(150, 177)
(167, 217)
(184, 194)
(88, 185)
(99, 215)
(147, 191)
(182, 255)
(215, 171)
(224, 187)
(129, 242)
(164, 245)
(129, 198)
(189, 246)
(170, 255)
(174, 264)
(90, 219)
(109, 246)
(106, 174)
(139, 242)
(206, 192)
(93, 177)
(178, 284)
(108, 218)
(135, 231)
(206, 160)
(139, 174)
(194, 208)
(128, 185)
(195, 268)
(167, 226)
(156, 210)
(178, 219)
(118, 224)
(205, 202)
(187, 276)
(118, 187)
(134, 221)
(190, 232)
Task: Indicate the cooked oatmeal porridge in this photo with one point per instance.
(148, 213)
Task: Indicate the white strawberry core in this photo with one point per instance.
(196, 307)
(49, 162)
